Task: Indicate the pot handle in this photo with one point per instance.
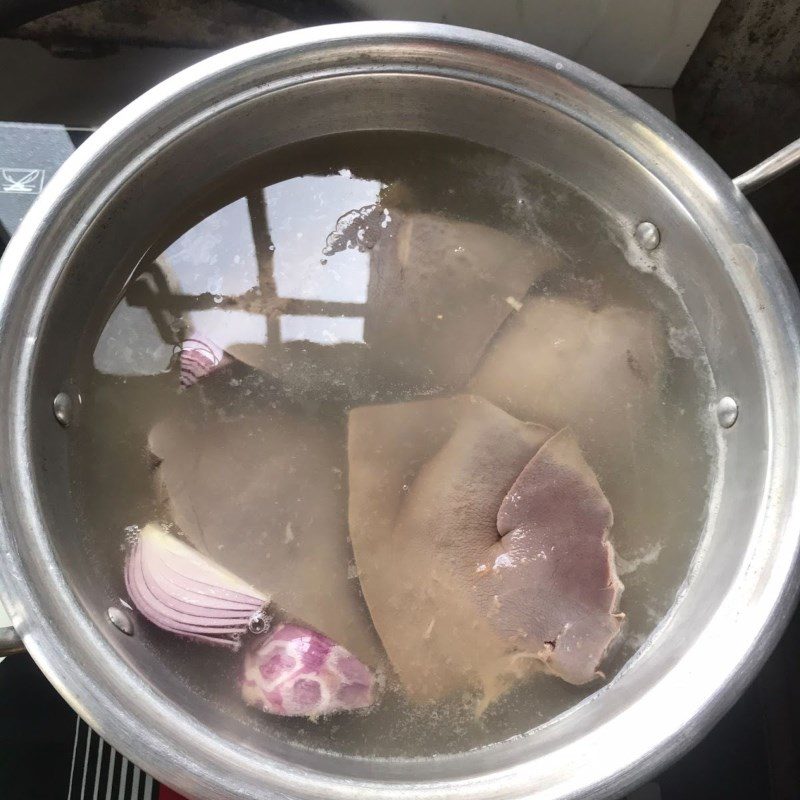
(769, 168)
(10, 642)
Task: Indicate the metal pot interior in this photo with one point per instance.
(153, 164)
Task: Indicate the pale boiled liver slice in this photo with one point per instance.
(438, 292)
(560, 362)
(458, 606)
(263, 493)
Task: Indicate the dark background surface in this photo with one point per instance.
(739, 97)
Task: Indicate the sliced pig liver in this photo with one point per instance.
(558, 562)
(481, 546)
(562, 363)
(264, 495)
(438, 292)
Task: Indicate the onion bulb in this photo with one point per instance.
(180, 590)
(294, 671)
(198, 357)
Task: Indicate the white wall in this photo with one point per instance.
(634, 42)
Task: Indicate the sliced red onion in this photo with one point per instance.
(182, 591)
(297, 672)
(198, 357)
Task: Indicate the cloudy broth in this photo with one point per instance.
(281, 269)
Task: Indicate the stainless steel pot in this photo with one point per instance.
(58, 274)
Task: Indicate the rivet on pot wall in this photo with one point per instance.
(259, 622)
(727, 412)
(120, 620)
(62, 408)
(648, 235)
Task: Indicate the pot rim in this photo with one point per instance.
(98, 684)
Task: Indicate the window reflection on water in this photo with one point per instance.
(255, 272)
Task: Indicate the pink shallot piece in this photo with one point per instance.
(181, 591)
(199, 357)
(297, 672)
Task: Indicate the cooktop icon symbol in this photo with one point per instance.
(21, 181)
